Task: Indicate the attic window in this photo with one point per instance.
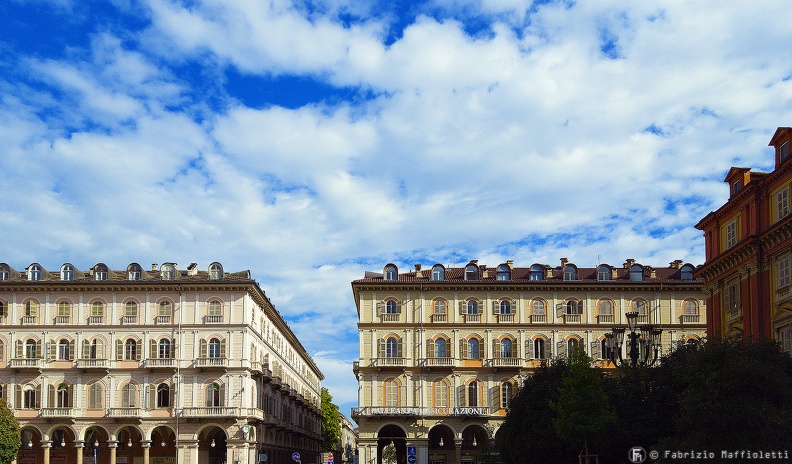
(736, 187)
(215, 271)
(783, 151)
(471, 272)
(391, 273)
(168, 272)
(636, 273)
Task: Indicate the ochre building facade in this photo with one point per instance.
(443, 350)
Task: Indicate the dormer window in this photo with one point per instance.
(687, 272)
(604, 272)
(537, 272)
(168, 271)
(134, 271)
(438, 272)
(5, 272)
(570, 272)
(391, 272)
(67, 272)
(636, 273)
(100, 272)
(34, 272)
(215, 271)
(783, 152)
(504, 272)
(471, 272)
(736, 186)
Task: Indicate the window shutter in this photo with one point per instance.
(222, 395)
(138, 350)
(208, 395)
(153, 354)
(461, 399)
(222, 348)
(381, 352)
(529, 349)
(18, 397)
(400, 306)
(38, 397)
(173, 352)
(559, 310)
(52, 350)
(430, 348)
(561, 348)
(152, 396)
(399, 349)
(495, 349)
(495, 307)
(20, 349)
(202, 349)
(380, 307)
(71, 350)
(515, 350)
(86, 349)
(51, 399)
(463, 349)
(119, 350)
(494, 398)
(449, 349)
(595, 350)
(38, 349)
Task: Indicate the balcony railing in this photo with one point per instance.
(505, 317)
(387, 362)
(642, 319)
(211, 362)
(538, 318)
(572, 318)
(439, 317)
(389, 317)
(472, 317)
(605, 319)
(28, 320)
(95, 320)
(90, 363)
(27, 363)
(161, 363)
(127, 320)
(62, 320)
(213, 319)
(57, 412)
(439, 362)
(506, 362)
(215, 411)
(733, 314)
(689, 319)
(163, 320)
(124, 412)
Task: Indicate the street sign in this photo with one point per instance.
(412, 459)
(412, 451)
(295, 456)
(329, 457)
(263, 457)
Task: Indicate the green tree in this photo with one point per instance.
(583, 413)
(331, 423)
(389, 454)
(9, 434)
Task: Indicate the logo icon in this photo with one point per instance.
(636, 454)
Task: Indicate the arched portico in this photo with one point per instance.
(392, 434)
(212, 447)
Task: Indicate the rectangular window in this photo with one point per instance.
(731, 234)
(783, 151)
(731, 295)
(782, 203)
(785, 338)
(784, 278)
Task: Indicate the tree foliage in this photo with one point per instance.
(9, 434)
(389, 454)
(331, 423)
(722, 395)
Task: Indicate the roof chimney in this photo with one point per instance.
(417, 270)
(153, 267)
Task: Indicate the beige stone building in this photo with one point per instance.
(153, 366)
(443, 350)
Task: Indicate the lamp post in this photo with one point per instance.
(643, 343)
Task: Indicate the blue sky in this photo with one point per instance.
(310, 141)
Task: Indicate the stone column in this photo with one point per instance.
(146, 444)
(113, 445)
(80, 445)
(46, 445)
(458, 450)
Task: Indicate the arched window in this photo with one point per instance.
(3, 310)
(96, 396)
(64, 312)
(604, 272)
(32, 349)
(473, 348)
(605, 351)
(438, 272)
(507, 392)
(214, 348)
(391, 393)
(93, 349)
(391, 273)
(64, 350)
(215, 271)
(163, 395)
(31, 308)
(129, 395)
(572, 345)
(440, 348)
(506, 348)
(690, 307)
(168, 271)
(440, 394)
(34, 272)
(574, 307)
(538, 307)
(539, 351)
(164, 349)
(130, 312)
(100, 272)
(130, 350)
(570, 272)
(504, 272)
(134, 271)
(605, 307)
(392, 348)
(391, 307)
(636, 273)
(31, 397)
(63, 396)
(537, 272)
(97, 309)
(687, 272)
(472, 307)
(505, 307)
(215, 308)
(5, 272)
(639, 306)
(439, 306)
(164, 311)
(67, 272)
(473, 393)
(213, 395)
(471, 272)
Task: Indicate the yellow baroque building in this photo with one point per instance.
(443, 350)
(158, 366)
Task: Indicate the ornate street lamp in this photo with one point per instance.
(643, 344)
